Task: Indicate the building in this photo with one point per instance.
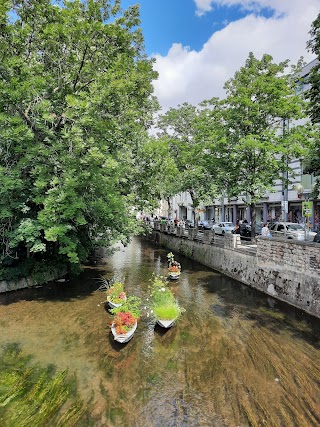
(284, 203)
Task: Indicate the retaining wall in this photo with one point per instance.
(27, 282)
(286, 270)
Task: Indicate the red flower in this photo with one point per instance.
(123, 322)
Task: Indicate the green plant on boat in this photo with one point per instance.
(163, 303)
(170, 311)
(116, 294)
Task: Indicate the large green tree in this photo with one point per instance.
(160, 176)
(255, 147)
(181, 127)
(75, 102)
(313, 94)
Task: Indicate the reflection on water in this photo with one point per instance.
(235, 358)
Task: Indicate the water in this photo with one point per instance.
(235, 358)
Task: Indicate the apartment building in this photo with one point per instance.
(284, 203)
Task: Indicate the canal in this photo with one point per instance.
(236, 357)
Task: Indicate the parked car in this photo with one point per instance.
(189, 223)
(245, 230)
(316, 238)
(223, 227)
(290, 230)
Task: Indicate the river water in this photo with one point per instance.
(235, 358)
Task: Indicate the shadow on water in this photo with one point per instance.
(240, 300)
(80, 287)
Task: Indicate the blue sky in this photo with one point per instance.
(167, 21)
(199, 44)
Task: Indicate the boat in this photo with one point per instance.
(113, 304)
(174, 275)
(165, 323)
(123, 338)
(174, 267)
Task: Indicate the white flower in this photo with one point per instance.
(151, 311)
(163, 289)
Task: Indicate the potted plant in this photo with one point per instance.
(174, 272)
(116, 296)
(164, 306)
(126, 318)
(174, 267)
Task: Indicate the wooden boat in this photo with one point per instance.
(174, 275)
(114, 305)
(123, 338)
(166, 323)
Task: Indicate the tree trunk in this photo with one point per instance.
(169, 207)
(195, 211)
(253, 220)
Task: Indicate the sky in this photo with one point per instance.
(199, 44)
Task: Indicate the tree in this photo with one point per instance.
(75, 102)
(255, 149)
(314, 78)
(180, 127)
(313, 94)
(159, 172)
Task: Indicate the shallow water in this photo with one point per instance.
(235, 358)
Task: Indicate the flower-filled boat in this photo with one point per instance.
(116, 296)
(164, 306)
(126, 319)
(174, 267)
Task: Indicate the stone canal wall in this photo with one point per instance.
(286, 270)
(28, 282)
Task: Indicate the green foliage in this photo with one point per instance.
(75, 104)
(253, 132)
(167, 312)
(131, 305)
(180, 132)
(313, 94)
(116, 293)
(314, 76)
(163, 303)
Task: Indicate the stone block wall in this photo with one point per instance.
(277, 268)
(27, 282)
(302, 256)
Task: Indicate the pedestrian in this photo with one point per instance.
(236, 229)
(265, 232)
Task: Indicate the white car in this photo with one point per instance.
(223, 227)
(290, 230)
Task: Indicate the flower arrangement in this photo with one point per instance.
(127, 315)
(163, 304)
(173, 266)
(116, 294)
(174, 269)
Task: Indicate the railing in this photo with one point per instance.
(209, 237)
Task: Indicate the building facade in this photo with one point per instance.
(285, 203)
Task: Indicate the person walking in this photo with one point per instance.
(265, 232)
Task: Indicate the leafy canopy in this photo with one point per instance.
(75, 103)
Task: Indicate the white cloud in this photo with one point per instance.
(187, 75)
